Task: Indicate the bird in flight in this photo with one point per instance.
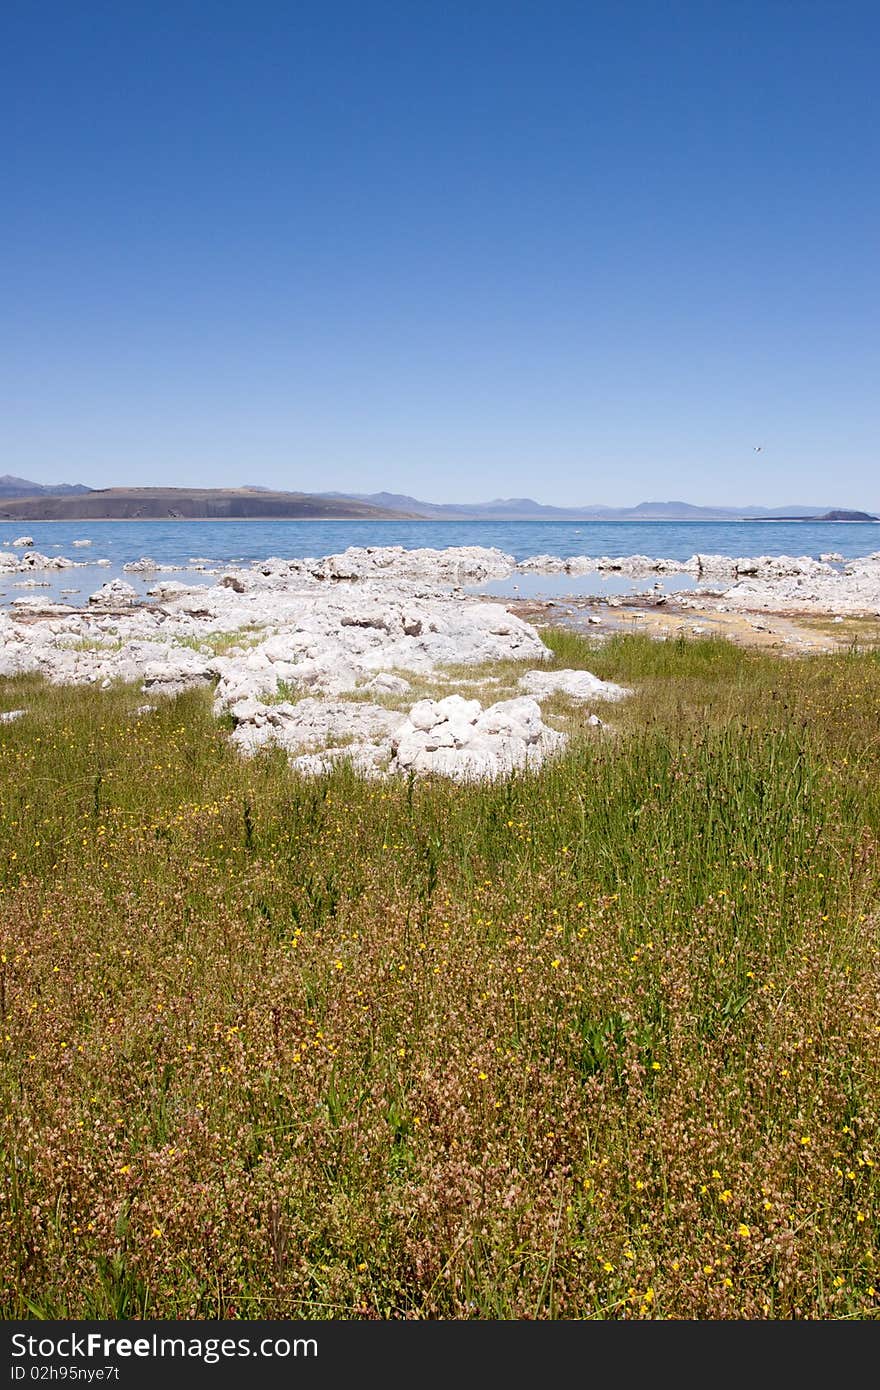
(759, 449)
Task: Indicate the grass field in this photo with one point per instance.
(601, 1041)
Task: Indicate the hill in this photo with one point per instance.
(11, 486)
(162, 503)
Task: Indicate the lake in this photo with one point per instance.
(210, 543)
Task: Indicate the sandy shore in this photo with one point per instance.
(790, 632)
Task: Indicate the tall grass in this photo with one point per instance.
(599, 1041)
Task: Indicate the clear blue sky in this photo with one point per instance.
(586, 252)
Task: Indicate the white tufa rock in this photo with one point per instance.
(463, 564)
(114, 594)
(386, 683)
(34, 560)
(361, 622)
(578, 685)
(145, 565)
(452, 737)
(457, 738)
(713, 567)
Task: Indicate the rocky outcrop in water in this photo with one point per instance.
(34, 560)
(700, 565)
(854, 589)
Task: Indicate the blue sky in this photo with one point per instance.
(585, 252)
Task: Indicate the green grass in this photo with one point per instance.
(599, 1041)
(92, 644)
(221, 643)
(855, 630)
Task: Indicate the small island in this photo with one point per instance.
(836, 514)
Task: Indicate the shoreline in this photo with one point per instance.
(791, 633)
(379, 656)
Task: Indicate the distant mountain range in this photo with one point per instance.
(527, 509)
(29, 501)
(20, 487)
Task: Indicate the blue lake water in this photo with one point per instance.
(179, 543)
